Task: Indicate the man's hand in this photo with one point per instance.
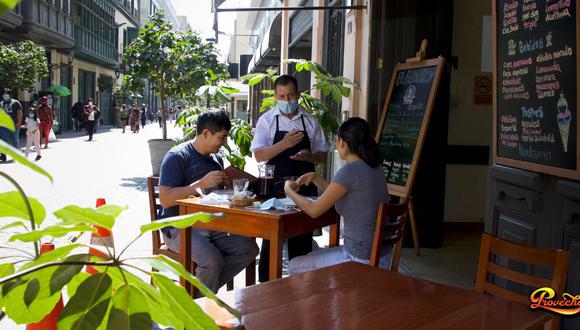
(212, 179)
(303, 155)
(292, 138)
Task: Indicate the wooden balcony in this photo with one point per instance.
(46, 24)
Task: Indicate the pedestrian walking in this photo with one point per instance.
(143, 116)
(135, 119)
(123, 115)
(77, 114)
(45, 114)
(32, 125)
(13, 108)
(92, 115)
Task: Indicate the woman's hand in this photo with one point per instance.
(290, 186)
(306, 179)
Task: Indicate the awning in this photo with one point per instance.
(268, 52)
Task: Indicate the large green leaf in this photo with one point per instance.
(40, 292)
(87, 308)
(6, 269)
(58, 230)
(36, 298)
(129, 310)
(182, 221)
(112, 210)
(73, 284)
(159, 308)
(55, 255)
(22, 303)
(13, 224)
(78, 215)
(12, 205)
(165, 264)
(17, 155)
(6, 120)
(182, 305)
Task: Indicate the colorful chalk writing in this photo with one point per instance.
(402, 126)
(536, 82)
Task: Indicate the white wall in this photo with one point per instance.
(469, 124)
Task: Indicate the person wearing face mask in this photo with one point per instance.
(293, 141)
(45, 114)
(13, 108)
(32, 132)
(91, 116)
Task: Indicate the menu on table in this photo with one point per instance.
(536, 84)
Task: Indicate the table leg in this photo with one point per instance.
(334, 237)
(185, 256)
(275, 251)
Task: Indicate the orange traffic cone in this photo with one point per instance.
(49, 322)
(103, 237)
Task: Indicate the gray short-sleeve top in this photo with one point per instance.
(367, 188)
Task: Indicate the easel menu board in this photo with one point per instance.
(405, 120)
(536, 74)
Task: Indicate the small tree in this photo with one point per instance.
(177, 63)
(21, 65)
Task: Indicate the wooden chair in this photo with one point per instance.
(160, 248)
(390, 219)
(500, 248)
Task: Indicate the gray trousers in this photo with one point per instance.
(219, 256)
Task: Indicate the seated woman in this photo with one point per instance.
(356, 190)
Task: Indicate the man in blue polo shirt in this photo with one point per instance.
(191, 166)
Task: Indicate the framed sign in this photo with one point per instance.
(405, 120)
(535, 117)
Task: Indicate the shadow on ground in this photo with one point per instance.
(138, 183)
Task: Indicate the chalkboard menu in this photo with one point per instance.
(535, 117)
(405, 119)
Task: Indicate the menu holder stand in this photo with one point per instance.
(419, 56)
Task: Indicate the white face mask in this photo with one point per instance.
(31, 115)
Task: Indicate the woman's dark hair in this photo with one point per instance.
(356, 132)
(215, 121)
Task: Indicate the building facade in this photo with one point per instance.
(84, 40)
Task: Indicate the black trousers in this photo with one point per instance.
(90, 125)
(297, 246)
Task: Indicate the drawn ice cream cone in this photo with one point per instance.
(564, 118)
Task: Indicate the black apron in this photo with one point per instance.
(285, 166)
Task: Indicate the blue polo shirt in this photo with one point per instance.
(182, 166)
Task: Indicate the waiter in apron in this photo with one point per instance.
(293, 141)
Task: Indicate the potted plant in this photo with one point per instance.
(117, 297)
(176, 63)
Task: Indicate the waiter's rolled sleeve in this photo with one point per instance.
(318, 141)
(262, 136)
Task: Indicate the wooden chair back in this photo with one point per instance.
(494, 248)
(391, 219)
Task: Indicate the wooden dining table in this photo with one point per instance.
(273, 225)
(358, 296)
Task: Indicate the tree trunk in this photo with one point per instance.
(162, 107)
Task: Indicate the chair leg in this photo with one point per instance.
(414, 228)
(251, 273)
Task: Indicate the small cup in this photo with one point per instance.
(240, 185)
